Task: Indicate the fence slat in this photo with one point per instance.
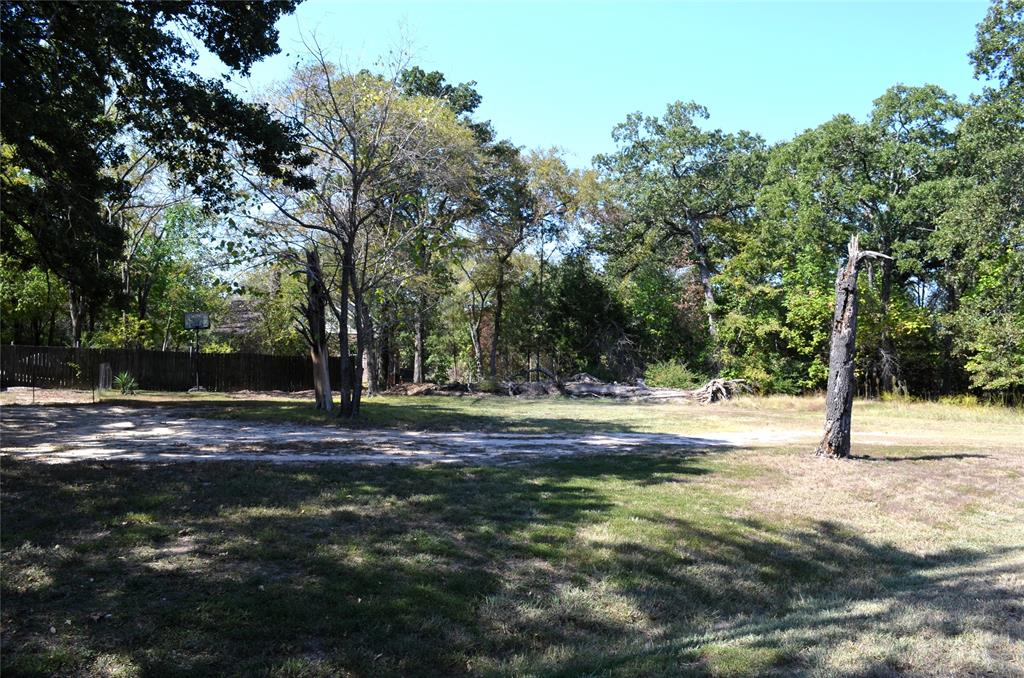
(60, 367)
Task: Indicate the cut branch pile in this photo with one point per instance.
(584, 386)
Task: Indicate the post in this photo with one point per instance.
(195, 348)
(835, 441)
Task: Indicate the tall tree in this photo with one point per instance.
(845, 177)
(122, 72)
(369, 143)
(682, 187)
(502, 224)
(981, 233)
(437, 204)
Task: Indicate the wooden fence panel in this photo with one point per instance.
(59, 367)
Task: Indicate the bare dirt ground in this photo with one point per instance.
(157, 434)
(25, 395)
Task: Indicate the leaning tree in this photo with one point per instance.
(835, 442)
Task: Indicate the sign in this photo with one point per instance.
(197, 321)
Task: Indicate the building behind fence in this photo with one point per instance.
(59, 367)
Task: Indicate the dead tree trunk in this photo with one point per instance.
(314, 330)
(835, 442)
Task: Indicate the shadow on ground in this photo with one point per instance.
(437, 413)
(604, 566)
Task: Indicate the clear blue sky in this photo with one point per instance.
(564, 73)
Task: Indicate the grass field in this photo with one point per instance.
(938, 421)
(727, 562)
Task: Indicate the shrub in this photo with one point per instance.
(961, 400)
(672, 374)
(218, 347)
(126, 384)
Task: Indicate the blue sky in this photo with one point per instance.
(564, 73)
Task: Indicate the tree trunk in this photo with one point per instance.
(419, 333)
(53, 311)
(76, 309)
(499, 299)
(478, 357)
(345, 387)
(888, 364)
(372, 348)
(700, 254)
(316, 325)
(357, 377)
(835, 441)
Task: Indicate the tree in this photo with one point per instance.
(313, 326)
(437, 205)
(980, 235)
(122, 74)
(682, 188)
(835, 442)
(369, 146)
(845, 177)
(503, 222)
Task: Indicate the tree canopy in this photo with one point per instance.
(83, 80)
(374, 214)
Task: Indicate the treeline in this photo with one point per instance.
(374, 214)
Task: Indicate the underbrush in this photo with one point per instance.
(673, 374)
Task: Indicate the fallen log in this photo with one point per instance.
(584, 388)
(713, 391)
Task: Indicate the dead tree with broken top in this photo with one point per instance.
(835, 442)
(312, 325)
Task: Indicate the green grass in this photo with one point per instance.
(657, 564)
(554, 415)
(738, 562)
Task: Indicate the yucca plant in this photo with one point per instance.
(126, 383)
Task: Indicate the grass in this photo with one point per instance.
(746, 562)
(564, 415)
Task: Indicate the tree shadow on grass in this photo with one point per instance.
(414, 413)
(577, 567)
(920, 457)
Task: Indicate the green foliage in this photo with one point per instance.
(56, 180)
(126, 383)
(128, 331)
(32, 304)
(960, 400)
(672, 374)
(586, 326)
(217, 347)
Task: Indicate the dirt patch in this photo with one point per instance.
(116, 433)
(26, 395)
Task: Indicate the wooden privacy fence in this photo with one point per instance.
(59, 367)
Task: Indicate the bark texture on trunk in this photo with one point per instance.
(835, 441)
(315, 310)
(76, 313)
(499, 300)
(419, 339)
(700, 254)
(345, 387)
